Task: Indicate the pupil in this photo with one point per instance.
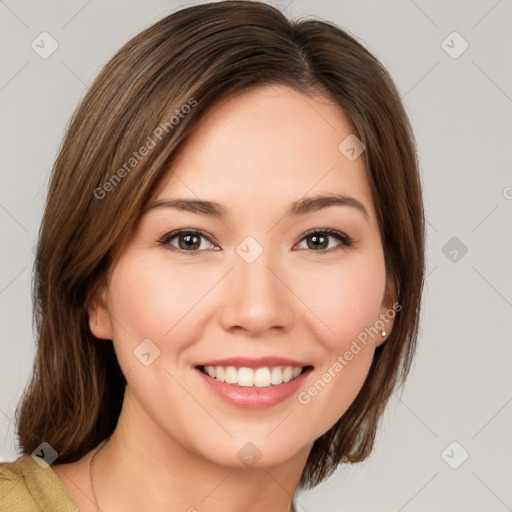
(315, 239)
(188, 238)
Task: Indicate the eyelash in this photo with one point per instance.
(345, 240)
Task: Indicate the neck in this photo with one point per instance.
(141, 456)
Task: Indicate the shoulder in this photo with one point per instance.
(13, 487)
(25, 485)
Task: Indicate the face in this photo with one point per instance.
(268, 284)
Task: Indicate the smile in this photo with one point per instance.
(252, 377)
(259, 387)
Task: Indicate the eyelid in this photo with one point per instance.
(342, 237)
(345, 242)
(164, 240)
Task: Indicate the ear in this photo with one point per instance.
(99, 315)
(388, 311)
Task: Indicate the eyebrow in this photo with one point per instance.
(300, 207)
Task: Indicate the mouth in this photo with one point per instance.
(262, 377)
(249, 384)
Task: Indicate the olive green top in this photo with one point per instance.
(26, 487)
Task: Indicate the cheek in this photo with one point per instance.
(344, 300)
(347, 301)
(142, 297)
(327, 396)
(148, 301)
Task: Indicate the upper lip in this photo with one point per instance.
(259, 362)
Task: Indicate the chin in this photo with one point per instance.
(255, 452)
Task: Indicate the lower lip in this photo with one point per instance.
(253, 397)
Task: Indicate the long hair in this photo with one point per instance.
(199, 56)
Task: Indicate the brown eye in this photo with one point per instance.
(318, 240)
(187, 241)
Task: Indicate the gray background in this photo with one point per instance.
(460, 387)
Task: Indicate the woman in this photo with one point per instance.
(229, 271)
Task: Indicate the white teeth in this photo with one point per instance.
(245, 377)
(277, 376)
(262, 378)
(220, 372)
(230, 375)
(287, 374)
(249, 377)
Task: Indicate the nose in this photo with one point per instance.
(256, 297)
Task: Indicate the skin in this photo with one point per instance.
(175, 439)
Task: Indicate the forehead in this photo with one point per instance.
(268, 146)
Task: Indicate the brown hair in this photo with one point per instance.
(204, 53)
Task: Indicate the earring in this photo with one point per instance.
(383, 333)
